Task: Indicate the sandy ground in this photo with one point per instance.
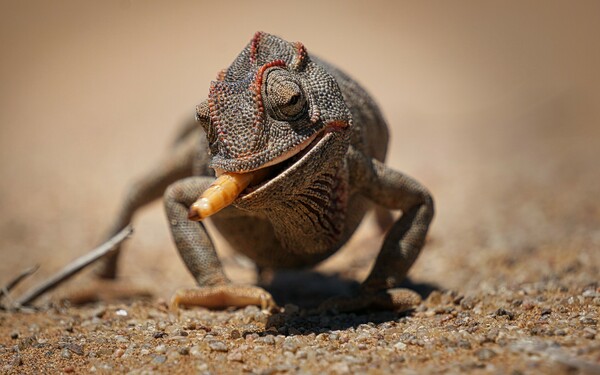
(494, 108)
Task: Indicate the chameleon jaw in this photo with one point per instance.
(230, 185)
(278, 160)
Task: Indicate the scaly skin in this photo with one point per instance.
(324, 140)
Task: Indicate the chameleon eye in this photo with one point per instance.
(285, 97)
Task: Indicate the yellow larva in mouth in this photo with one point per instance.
(222, 192)
(229, 185)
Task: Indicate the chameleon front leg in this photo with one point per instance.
(406, 237)
(394, 191)
(198, 253)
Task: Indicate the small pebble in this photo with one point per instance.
(217, 346)
(400, 345)
(434, 298)
(291, 344)
(184, 350)
(464, 344)
(468, 303)
(196, 351)
(340, 368)
(119, 353)
(235, 356)
(546, 311)
(98, 312)
(485, 354)
(159, 359)
(269, 340)
(75, 348)
(65, 353)
(504, 312)
(527, 305)
(587, 320)
(17, 360)
(121, 339)
(560, 332)
(589, 333)
(235, 334)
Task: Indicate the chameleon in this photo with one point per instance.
(312, 143)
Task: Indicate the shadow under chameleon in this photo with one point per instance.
(308, 289)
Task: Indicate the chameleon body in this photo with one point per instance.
(319, 142)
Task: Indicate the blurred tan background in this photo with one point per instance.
(493, 105)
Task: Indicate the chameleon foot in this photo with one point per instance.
(398, 299)
(223, 296)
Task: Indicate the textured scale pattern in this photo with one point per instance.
(247, 134)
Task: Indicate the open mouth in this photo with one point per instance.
(280, 166)
(231, 186)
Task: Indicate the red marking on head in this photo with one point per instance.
(254, 46)
(315, 115)
(300, 56)
(260, 108)
(337, 125)
(218, 95)
(259, 75)
(221, 75)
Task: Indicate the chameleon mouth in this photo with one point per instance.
(277, 168)
(230, 187)
(281, 159)
(293, 162)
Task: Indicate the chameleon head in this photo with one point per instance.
(272, 104)
(268, 105)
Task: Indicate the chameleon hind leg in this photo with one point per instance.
(196, 248)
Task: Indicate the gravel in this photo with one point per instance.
(455, 339)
